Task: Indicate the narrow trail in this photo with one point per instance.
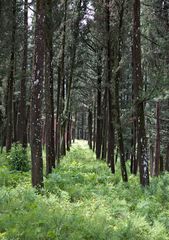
(82, 144)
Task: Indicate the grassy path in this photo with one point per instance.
(82, 200)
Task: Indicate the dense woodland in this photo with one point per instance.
(77, 71)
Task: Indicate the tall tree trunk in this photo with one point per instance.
(21, 119)
(69, 132)
(36, 97)
(10, 83)
(90, 120)
(157, 149)
(94, 126)
(83, 123)
(15, 111)
(57, 142)
(110, 89)
(118, 119)
(139, 104)
(111, 137)
(49, 102)
(105, 127)
(60, 143)
(99, 111)
(134, 161)
(151, 160)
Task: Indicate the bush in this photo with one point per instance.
(18, 159)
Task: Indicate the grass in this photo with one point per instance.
(82, 200)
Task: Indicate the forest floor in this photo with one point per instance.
(82, 200)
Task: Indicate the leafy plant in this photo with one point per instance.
(17, 159)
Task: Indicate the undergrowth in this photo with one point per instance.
(82, 200)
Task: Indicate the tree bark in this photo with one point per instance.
(36, 97)
(118, 119)
(21, 119)
(139, 104)
(105, 127)
(69, 132)
(110, 89)
(90, 120)
(61, 93)
(99, 110)
(15, 111)
(94, 127)
(10, 84)
(49, 102)
(157, 149)
(83, 123)
(134, 160)
(111, 134)
(151, 160)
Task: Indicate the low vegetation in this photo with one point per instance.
(82, 200)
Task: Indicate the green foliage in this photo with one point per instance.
(13, 178)
(82, 200)
(18, 159)
(3, 161)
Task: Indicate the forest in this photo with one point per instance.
(84, 119)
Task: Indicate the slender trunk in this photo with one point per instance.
(57, 142)
(105, 128)
(142, 147)
(139, 104)
(63, 139)
(21, 119)
(82, 116)
(99, 111)
(60, 132)
(15, 111)
(69, 134)
(10, 83)
(28, 124)
(90, 120)
(134, 161)
(111, 137)
(120, 136)
(151, 160)
(36, 97)
(157, 149)
(49, 102)
(94, 128)
(110, 90)
(118, 119)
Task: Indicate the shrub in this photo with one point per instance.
(17, 159)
